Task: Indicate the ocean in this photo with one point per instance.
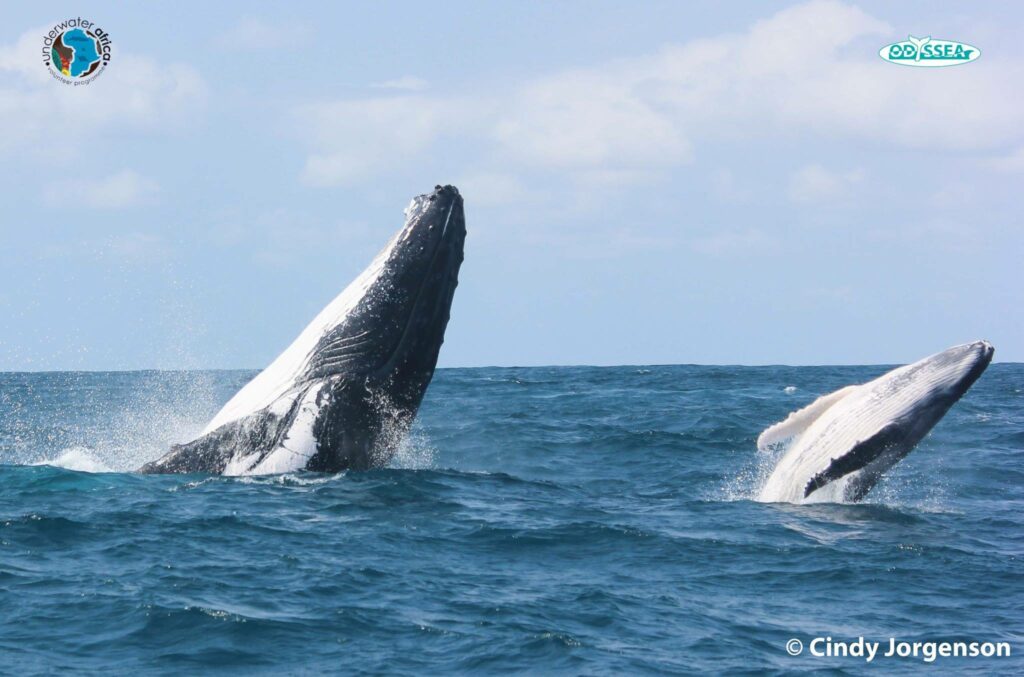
(562, 520)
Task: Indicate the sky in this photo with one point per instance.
(645, 183)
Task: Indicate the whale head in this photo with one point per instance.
(344, 392)
(392, 333)
(844, 442)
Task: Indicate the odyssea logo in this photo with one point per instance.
(929, 52)
(76, 51)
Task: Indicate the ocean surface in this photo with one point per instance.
(565, 520)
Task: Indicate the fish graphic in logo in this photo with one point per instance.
(76, 51)
(929, 52)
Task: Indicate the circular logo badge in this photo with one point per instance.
(76, 51)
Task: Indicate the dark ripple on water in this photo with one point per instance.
(550, 520)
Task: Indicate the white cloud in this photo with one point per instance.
(734, 242)
(595, 244)
(132, 247)
(252, 33)
(354, 139)
(1014, 162)
(491, 189)
(725, 188)
(829, 295)
(134, 92)
(117, 191)
(138, 247)
(283, 238)
(952, 234)
(588, 120)
(809, 71)
(954, 195)
(814, 183)
(407, 83)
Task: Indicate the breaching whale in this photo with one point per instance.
(842, 443)
(344, 393)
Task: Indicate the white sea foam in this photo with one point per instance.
(76, 458)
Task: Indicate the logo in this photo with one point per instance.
(76, 51)
(929, 52)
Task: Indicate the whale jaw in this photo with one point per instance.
(843, 444)
(345, 392)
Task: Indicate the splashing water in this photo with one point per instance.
(79, 459)
(400, 443)
(749, 481)
(122, 419)
(414, 451)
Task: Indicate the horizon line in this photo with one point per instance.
(487, 366)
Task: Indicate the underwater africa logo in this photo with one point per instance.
(76, 51)
(928, 52)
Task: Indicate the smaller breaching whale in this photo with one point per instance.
(842, 443)
(345, 392)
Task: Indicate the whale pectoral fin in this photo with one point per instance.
(250, 438)
(798, 421)
(857, 458)
(207, 454)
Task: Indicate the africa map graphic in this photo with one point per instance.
(76, 53)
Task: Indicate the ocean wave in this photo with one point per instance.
(580, 521)
(78, 459)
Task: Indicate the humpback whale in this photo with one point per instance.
(344, 393)
(843, 442)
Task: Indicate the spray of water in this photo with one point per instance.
(400, 444)
(414, 452)
(750, 479)
(154, 411)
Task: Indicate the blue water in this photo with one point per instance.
(546, 521)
